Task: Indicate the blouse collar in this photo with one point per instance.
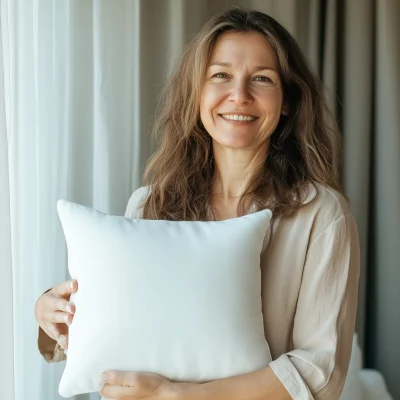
(307, 196)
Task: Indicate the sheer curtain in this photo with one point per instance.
(72, 74)
(79, 82)
(6, 271)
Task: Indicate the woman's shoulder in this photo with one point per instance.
(322, 208)
(324, 199)
(135, 202)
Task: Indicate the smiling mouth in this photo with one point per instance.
(238, 119)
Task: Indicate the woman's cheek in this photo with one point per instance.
(210, 103)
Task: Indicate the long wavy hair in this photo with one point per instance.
(304, 147)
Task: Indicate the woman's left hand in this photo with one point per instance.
(136, 385)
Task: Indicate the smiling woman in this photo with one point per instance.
(244, 127)
(242, 99)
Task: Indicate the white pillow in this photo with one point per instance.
(177, 298)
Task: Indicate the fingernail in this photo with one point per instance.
(66, 319)
(68, 308)
(71, 285)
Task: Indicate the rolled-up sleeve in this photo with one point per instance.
(49, 348)
(325, 316)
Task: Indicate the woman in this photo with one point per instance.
(244, 126)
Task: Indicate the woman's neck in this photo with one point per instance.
(234, 169)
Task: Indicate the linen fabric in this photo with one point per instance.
(181, 299)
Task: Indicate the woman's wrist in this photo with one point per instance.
(257, 385)
(187, 391)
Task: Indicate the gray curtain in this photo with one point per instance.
(354, 47)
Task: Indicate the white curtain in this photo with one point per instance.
(79, 81)
(69, 88)
(6, 271)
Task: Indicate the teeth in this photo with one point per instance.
(238, 117)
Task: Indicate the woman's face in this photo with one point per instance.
(242, 97)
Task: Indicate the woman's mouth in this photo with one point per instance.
(238, 119)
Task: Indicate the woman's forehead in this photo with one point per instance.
(236, 48)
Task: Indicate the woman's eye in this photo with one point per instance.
(220, 75)
(262, 79)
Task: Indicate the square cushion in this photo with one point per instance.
(177, 298)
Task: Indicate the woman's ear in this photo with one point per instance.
(285, 109)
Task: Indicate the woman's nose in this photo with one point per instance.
(240, 94)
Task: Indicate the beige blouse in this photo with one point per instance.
(310, 278)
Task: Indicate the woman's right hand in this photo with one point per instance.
(54, 312)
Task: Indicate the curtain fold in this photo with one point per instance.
(79, 85)
(7, 342)
(357, 125)
(383, 295)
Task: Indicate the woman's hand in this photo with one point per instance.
(54, 312)
(136, 385)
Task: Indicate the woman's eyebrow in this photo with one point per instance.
(229, 65)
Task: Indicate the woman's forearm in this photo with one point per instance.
(259, 385)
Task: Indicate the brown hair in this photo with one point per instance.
(304, 147)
